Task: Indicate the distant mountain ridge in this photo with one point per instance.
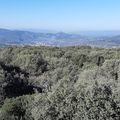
(25, 37)
(17, 37)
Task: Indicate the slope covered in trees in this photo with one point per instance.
(59, 83)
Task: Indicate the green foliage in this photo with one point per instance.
(80, 83)
(16, 108)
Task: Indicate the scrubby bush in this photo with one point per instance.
(17, 109)
(78, 83)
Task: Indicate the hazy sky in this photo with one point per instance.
(64, 15)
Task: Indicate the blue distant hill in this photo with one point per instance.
(17, 37)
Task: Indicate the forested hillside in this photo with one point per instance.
(59, 83)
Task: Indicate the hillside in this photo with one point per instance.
(20, 38)
(59, 83)
(16, 37)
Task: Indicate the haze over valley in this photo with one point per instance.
(96, 39)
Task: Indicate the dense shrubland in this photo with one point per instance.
(52, 83)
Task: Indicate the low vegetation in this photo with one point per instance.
(59, 83)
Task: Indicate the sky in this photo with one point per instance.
(61, 15)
